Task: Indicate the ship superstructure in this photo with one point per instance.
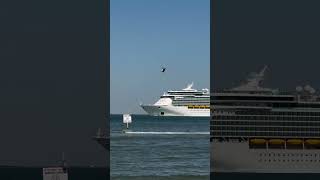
(185, 102)
(256, 129)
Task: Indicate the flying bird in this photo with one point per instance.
(163, 69)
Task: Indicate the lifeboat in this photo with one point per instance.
(190, 107)
(276, 141)
(258, 141)
(313, 141)
(294, 141)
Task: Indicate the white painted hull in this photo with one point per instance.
(237, 157)
(169, 110)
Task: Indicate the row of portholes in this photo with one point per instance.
(289, 160)
(289, 155)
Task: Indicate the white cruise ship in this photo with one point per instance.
(260, 130)
(185, 102)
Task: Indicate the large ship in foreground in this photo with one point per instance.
(185, 102)
(256, 129)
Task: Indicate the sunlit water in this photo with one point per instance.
(160, 148)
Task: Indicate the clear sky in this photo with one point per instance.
(148, 34)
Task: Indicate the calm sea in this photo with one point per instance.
(159, 151)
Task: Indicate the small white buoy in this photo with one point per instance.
(127, 119)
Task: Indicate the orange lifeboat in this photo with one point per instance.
(294, 141)
(313, 141)
(276, 141)
(257, 141)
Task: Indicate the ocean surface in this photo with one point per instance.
(160, 148)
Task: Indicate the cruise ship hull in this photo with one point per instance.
(169, 110)
(237, 157)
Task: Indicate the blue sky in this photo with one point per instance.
(148, 34)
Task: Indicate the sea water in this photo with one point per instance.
(170, 148)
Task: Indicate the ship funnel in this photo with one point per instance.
(189, 87)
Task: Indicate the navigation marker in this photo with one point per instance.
(127, 119)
